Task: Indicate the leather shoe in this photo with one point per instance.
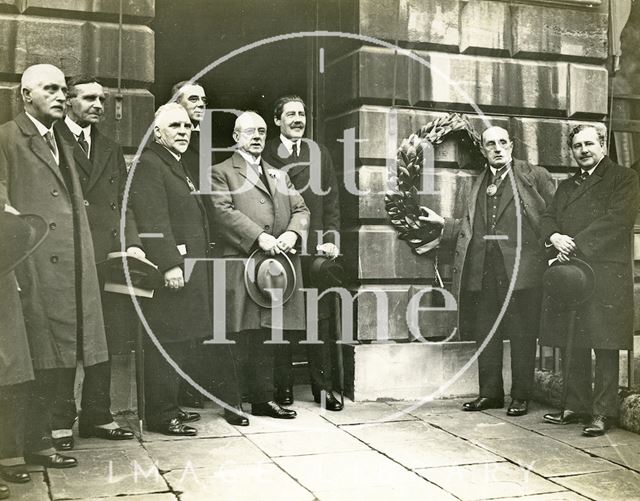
(273, 410)
(188, 417)
(175, 427)
(284, 396)
(236, 419)
(63, 443)
(518, 407)
(331, 402)
(566, 417)
(190, 398)
(107, 434)
(597, 427)
(4, 491)
(54, 460)
(482, 403)
(15, 474)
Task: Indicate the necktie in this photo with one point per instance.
(581, 178)
(83, 143)
(496, 177)
(294, 150)
(48, 137)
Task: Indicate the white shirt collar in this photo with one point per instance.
(250, 159)
(42, 128)
(173, 154)
(76, 129)
(288, 143)
(590, 171)
(505, 167)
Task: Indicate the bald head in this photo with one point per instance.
(43, 90)
(496, 147)
(250, 132)
(172, 128)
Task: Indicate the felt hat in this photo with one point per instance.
(269, 280)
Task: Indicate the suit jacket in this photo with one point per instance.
(163, 203)
(599, 214)
(31, 181)
(243, 208)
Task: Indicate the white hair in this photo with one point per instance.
(167, 108)
(34, 73)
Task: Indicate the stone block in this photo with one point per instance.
(76, 47)
(433, 23)
(390, 303)
(10, 102)
(588, 86)
(137, 8)
(545, 32)
(484, 28)
(138, 106)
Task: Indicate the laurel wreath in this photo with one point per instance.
(401, 201)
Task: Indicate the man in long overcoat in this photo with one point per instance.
(102, 172)
(175, 220)
(486, 246)
(256, 207)
(310, 169)
(60, 295)
(592, 217)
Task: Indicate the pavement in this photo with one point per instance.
(369, 451)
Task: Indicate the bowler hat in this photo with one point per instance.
(265, 275)
(325, 273)
(143, 274)
(569, 284)
(21, 235)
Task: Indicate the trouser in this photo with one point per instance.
(13, 412)
(198, 365)
(251, 362)
(37, 434)
(318, 355)
(161, 381)
(602, 398)
(95, 402)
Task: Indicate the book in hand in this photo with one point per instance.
(144, 275)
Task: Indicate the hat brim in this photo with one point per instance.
(589, 287)
(142, 273)
(250, 271)
(41, 229)
(325, 273)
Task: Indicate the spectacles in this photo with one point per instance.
(195, 99)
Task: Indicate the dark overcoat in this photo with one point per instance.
(163, 204)
(243, 209)
(324, 208)
(599, 214)
(32, 182)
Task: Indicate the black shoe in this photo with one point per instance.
(482, 403)
(174, 427)
(331, 402)
(273, 410)
(236, 419)
(566, 417)
(15, 474)
(284, 396)
(189, 397)
(4, 491)
(518, 407)
(598, 426)
(63, 443)
(107, 434)
(188, 417)
(54, 460)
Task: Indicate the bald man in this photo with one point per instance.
(256, 207)
(487, 246)
(59, 283)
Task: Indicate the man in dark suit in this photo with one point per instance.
(592, 217)
(102, 171)
(487, 248)
(61, 299)
(164, 206)
(310, 169)
(256, 207)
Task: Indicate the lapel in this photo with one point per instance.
(101, 150)
(507, 192)
(240, 164)
(38, 145)
(79, 155)
(472, 201)
(594, 179)
(302, 163)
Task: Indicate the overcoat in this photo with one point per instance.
(324, 208)
(31, 181)
(599, 214)
(163, 204)
(243, 208)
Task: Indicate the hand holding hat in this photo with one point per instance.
(328, 249)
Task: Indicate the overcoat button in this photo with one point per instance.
(267, 227)
(114, 206)
(112, 180)
(55, 192)
(52, 226)
(262, 200)
(455, 270)
(54, 259)
(114, 233)
(86, 203)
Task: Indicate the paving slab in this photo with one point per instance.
(547, 457)
(295, 443)
(211, 425)
(165, 496)
(478, 425)
(488, 481)
(366, 412)
(205, 452)
(533, 420)
(107, 472)
(306, 420)
(237, 483)
(605, 486)
(624, 455)
(376, 433)
(572, 435)
(420, 409)
(36, 490)
(344, 471)
(556, 496)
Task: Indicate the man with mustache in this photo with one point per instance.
(102, 172)
(311, 171)
(592, 217)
